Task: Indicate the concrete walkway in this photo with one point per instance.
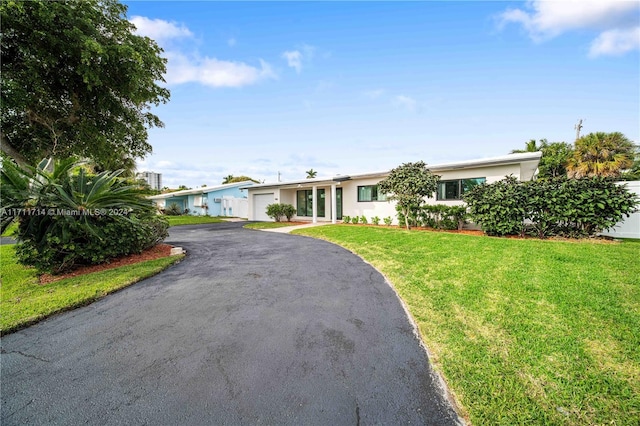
(251, 328)
(288, 229)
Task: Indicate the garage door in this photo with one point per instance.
(260, 203)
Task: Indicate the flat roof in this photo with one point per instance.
(458, 165)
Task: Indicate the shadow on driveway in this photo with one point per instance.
(251, 328)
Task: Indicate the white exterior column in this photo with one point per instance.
(334, 204)
(314, 203)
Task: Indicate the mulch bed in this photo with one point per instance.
(156, 252)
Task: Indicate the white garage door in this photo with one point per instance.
(260, 203)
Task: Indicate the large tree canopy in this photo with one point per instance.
(76, 81)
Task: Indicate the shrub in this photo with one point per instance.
(355, 219)
(346, 219)
(564, 207)
(275, 211)
(76, 218)
(173, 210)
(388, 220)
(363, 220)
(288, 211)
(441, 216)
(375, 220)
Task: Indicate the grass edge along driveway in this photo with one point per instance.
(524, 331)
(25, 301)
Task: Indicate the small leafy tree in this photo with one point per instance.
(408, 185)
(288, 211)
(553, 163)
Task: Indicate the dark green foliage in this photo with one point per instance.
(355, 220)
(363, 220)
(555, 156)
(76, 80)
(173, 210)
(441, 216)
(375, 220)
(409, 184)
(288, 211)
(69, 218)
(346, 219)
(563, 207)
(277, 211)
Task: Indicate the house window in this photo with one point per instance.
(370, 193)
(197, 201)
(305, 202)
(454, 189)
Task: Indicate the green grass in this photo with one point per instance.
(24, 301)
(192, 220)
(10, 229)
(269, 225)
(524, 331)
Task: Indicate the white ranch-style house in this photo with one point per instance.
(328, 199)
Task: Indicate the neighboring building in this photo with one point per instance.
(221, 200)
(628, 227)
(357, 195)
(153, 179)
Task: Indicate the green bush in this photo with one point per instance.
(288, 211)
(173, 210)
(388, 220)
(75, 218)
(375, 220)
(563, 207)
(346, 219)
(363, 220)
(275, 211)
(441, 216)
(278, 211)
(355, 220)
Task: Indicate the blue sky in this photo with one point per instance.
(262, 88)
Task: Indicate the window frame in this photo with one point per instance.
(460, 187)
(374, 190)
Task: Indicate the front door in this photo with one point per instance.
(339, 203)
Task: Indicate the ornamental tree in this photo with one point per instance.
(76, 80)
(408, 185)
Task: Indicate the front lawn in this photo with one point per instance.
(192, 220)
(25, 301)
(524, 331)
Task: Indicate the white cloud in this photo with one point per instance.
(295, 58)
(615, 42)
(405, 102)
(544, 20)
(159, 29)
(214, 72)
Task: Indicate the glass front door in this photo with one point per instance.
(339, 203)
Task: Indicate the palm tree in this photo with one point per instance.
(311, 173)
(531, 146)
(227, 180)
(601, 154)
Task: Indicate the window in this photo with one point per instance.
(454, 189)
(197, 201)
(370, 193)
(305, 202)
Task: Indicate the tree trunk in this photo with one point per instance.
(8, 149)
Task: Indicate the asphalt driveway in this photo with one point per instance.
(251, 328)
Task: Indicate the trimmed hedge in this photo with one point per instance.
(561, 207)
(278, 211)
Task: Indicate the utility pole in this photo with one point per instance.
(578, 127)
(278, 176)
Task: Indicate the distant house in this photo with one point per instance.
(221, 200)
(328, 199)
